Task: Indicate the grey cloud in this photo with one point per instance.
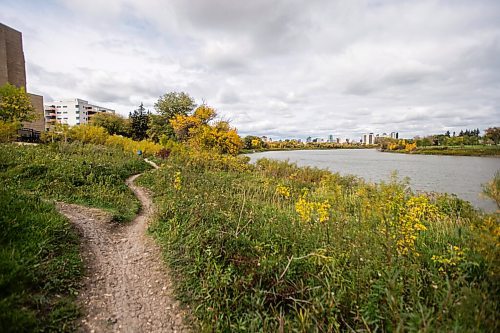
(283, 68)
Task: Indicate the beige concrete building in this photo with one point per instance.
(13, 70)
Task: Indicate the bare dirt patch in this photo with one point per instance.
(126, 288)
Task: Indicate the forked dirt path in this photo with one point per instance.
(127, 288)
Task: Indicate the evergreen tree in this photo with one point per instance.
(139, 120)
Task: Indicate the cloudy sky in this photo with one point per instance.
(283, 68)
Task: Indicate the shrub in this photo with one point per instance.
(8, 131)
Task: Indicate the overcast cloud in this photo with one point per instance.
(285, 68)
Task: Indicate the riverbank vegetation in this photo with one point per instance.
(275, 247)
(466, 143)
(252, 144)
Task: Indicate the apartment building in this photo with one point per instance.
(73, 111)
(369, 139)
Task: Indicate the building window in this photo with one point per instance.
(77, 111)
(65, 112)
(77, 106)
(58, 112)
(65, 106)
(77, 117)
(58, 106)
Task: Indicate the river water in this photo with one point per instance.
(460, 175)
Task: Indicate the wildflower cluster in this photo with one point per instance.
(408, 220)
(177, 181)
(310, 210)
(447, 263)
(283, 191)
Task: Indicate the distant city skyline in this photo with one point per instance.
(282, 69)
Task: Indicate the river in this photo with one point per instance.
(460, 175)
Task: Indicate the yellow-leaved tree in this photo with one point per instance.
(200, 131)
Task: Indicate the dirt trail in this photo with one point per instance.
(127, 288)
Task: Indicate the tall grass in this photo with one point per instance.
(275, 247)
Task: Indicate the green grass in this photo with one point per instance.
(84, 174)
(40, 266)
(245, 261)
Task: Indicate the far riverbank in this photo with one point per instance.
(477, 151)
(459, 175)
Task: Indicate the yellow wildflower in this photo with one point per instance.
(177, 181)
(283, 191)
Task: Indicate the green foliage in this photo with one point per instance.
(366, 257)
(480, 150)
(39, 265)
(139, 120)
(112, 123)
(74, 173)
(174, 103)
(8, 131)
(493, 134)
(15, 104)
(158, 127)
(253, 142)
(167, 107)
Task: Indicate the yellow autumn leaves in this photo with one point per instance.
(201, 131)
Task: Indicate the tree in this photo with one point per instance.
(175, 103)
(167, 107)
(139, 120)
(183, 124)
(197, 131)
(113, 123)
(15, 104)
(493, 133)
(253, 142)
(8, 131)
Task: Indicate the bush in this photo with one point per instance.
(8, 131)
(148, 148)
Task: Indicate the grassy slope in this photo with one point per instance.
(74, 173)
(246, 262)
(39, 261)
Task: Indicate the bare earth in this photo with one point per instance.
(127, 288)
